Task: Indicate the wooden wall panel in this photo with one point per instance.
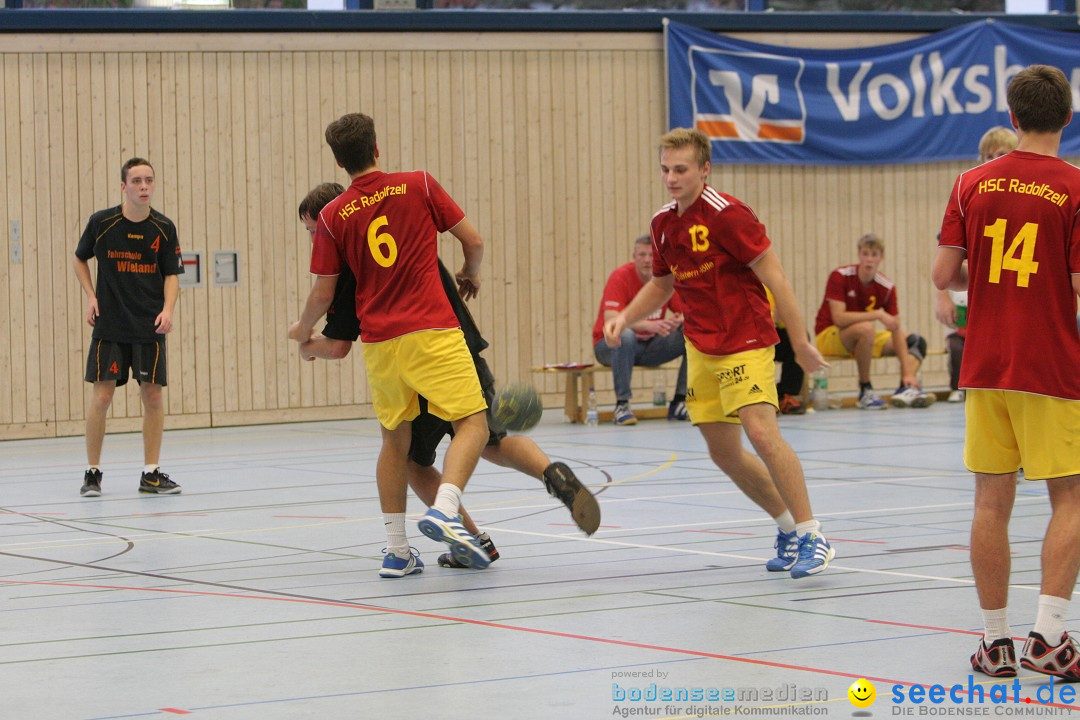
(547, 141)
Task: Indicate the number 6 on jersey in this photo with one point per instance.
(376, 241)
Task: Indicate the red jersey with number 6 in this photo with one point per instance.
(1018, 220)
(385, 227)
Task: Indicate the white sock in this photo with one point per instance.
(93, 467)
(995, 625)
(397, 541)
(1050, 621)
(810, 526)
(448, 500)
(785, 521)
(150, 468)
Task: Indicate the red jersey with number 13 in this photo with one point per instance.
(1017, 218)
(385, 227)
(709, 250)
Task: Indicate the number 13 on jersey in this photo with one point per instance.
(1002, 259)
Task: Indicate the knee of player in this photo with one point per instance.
(151, 396)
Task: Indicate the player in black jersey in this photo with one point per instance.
(130, 308)
(515, 452)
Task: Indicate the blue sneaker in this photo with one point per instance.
(815, 552)
(464, 548)
(395, 567)
(787, 551)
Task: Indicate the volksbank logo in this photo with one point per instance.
(728, 105)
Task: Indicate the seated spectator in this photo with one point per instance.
(651, 342)
(857, 297)
(951, 306)
(790, 387)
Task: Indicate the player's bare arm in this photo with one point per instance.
(164, 321)
(472, 245)
(949, 271)
(650, 298)
(771, 274)
(82, 272)
(318, 302)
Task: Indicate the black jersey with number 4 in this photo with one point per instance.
(133, 259)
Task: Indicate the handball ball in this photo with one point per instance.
(517, 407)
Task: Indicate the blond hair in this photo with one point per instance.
(872, 242)
(688, 137)
(996, 139)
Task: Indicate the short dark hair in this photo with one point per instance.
(133, 162)
(352, 139)
(1041, 99)
(316, 200)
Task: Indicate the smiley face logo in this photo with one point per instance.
(862, 693)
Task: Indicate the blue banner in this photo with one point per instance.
(922, 100)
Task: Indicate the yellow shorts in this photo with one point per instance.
(1008, 430)
(717, 386)
(432, 363)
(828, 342)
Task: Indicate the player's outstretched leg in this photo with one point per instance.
(561, 483)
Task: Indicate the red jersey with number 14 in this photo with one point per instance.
(385, 227)
(1018, 219)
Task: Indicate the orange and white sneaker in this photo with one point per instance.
(1061, 660)
(997, 659)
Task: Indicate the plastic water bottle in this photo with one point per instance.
(819, 390)
(659, 394)
(592, 414)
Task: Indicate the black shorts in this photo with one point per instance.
(428, 430)
(341, 325)
(112, 360)
(341, 320)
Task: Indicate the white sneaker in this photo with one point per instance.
(956, 396)
(912, 396)
(870, 401)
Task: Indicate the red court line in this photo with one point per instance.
(934, 627)
(175, 711)
(498, 626)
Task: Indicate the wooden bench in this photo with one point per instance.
(579, 379)
(848, 398)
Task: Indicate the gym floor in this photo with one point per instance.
(255, 593)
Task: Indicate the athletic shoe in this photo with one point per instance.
(911, 396)
(395, 567)
(815, 552)
(677, 411)
(791, 405)
(464, 548)
(447, 560)
(561, 483)
(996, 660)
(623, 415)
(787, 551)
(91, 486)
(869, 400)
(956, 396)
(158, 483)
(1061, 660)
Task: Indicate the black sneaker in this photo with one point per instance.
(561, 483)
(158, 483)
(91, 486)
(447, 560)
